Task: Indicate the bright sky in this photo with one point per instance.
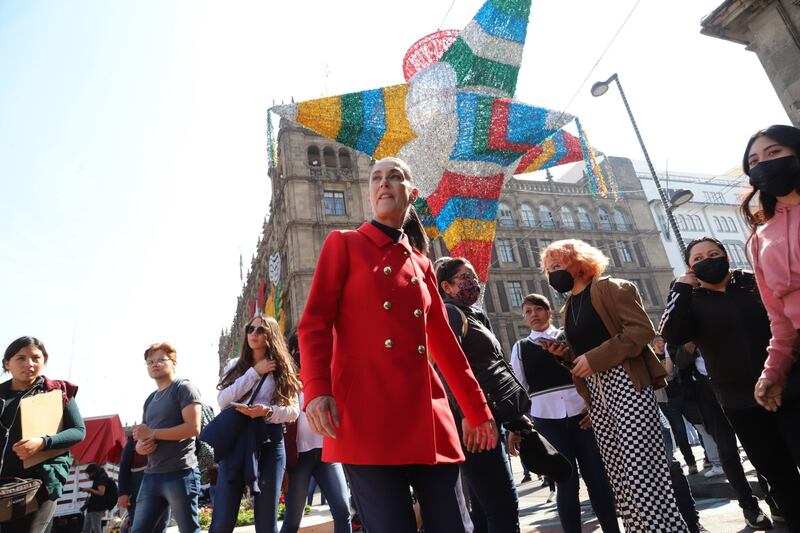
(133, 146)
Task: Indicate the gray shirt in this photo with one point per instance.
(163, 410)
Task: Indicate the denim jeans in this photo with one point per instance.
(230, 486)
(580, 448)
(490, 481)
(178, 491)
(330, 478)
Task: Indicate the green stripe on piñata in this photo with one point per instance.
(483, 123)
(515, 8)
(352, 119)
(472, 70)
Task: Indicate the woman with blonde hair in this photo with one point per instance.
(264, 376)
(608, 349)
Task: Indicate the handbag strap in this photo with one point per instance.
(258, 388)
(464, 323)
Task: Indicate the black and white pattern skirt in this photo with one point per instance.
(628, 433)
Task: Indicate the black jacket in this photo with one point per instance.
(731, 329)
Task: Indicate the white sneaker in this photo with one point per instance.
(552, 496)
(714, 472)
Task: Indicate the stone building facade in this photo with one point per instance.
(771, 29)
(319, 186)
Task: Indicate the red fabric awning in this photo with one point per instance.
(105, 439)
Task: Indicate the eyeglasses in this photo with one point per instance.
(161, 361)
(465, 276)
(260, 330)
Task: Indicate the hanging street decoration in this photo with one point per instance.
(455, 123)
(272, 307)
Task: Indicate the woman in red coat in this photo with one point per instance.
(373, 324)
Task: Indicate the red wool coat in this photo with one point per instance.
(372, 319)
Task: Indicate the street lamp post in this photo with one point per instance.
(599, 89)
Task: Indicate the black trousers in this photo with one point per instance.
(672, 410)
(718, 426)
(772, 442)
(383, 498)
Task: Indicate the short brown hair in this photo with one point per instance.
(165, 347)
(536, 299)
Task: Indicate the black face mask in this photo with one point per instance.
(561, 280)
(777, 177)
(712, 270)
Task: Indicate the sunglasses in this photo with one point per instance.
(261, 330)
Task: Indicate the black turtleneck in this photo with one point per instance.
(393, 233)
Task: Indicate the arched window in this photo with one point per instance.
(329, 156)
(528, 217)
(620, 222)
(690, 223)
(313, 156)
(567, 219)
(583, 219)
(546, 217)
(344, 158)
(718, 223)
(504, 215)
(732, 224)
(681, 222)
(605, 219)
(700, 226)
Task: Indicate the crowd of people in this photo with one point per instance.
(396, 397)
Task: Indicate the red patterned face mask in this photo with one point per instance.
(468, 292)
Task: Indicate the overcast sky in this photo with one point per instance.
(133, 145)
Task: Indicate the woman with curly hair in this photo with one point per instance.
(264, 357)
(608, 349)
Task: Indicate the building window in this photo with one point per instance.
(567, 219)
(736, 254)
(344, 158)
(718, 222)
(528, 217)
(505, 250)
(698, 223)
(620, 222)
(501, 295)
(625, 252)
(605, 219)
(714, 197)
(546, 217)
(681, 221)
(515, 295)
(732, 225)
(329, 156)
(333, 202)
(505, 216)
(313, 156)
(651, 288)
(583, 219)
(640, 288)
(523, 253)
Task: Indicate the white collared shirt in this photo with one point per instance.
(557, 403)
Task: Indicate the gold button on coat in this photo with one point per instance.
(417, 313)
(387, 305)
(387, 270)
(388, 343)
(415, 280)
(421, 349)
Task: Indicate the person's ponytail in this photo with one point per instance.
(415, 231)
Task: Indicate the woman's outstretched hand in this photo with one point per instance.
(323, 416)
(480, 438)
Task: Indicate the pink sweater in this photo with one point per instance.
(776, 256)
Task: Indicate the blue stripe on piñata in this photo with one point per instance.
(496, 23)
(458, 207)
(527, 124)
(464, 150)
(561, 148)
(374, 121)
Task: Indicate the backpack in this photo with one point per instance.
(110, 495)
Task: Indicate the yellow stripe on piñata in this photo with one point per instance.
(398, 130)
(323, 115)
(548, 150)
(468, 228)
(432, 232)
